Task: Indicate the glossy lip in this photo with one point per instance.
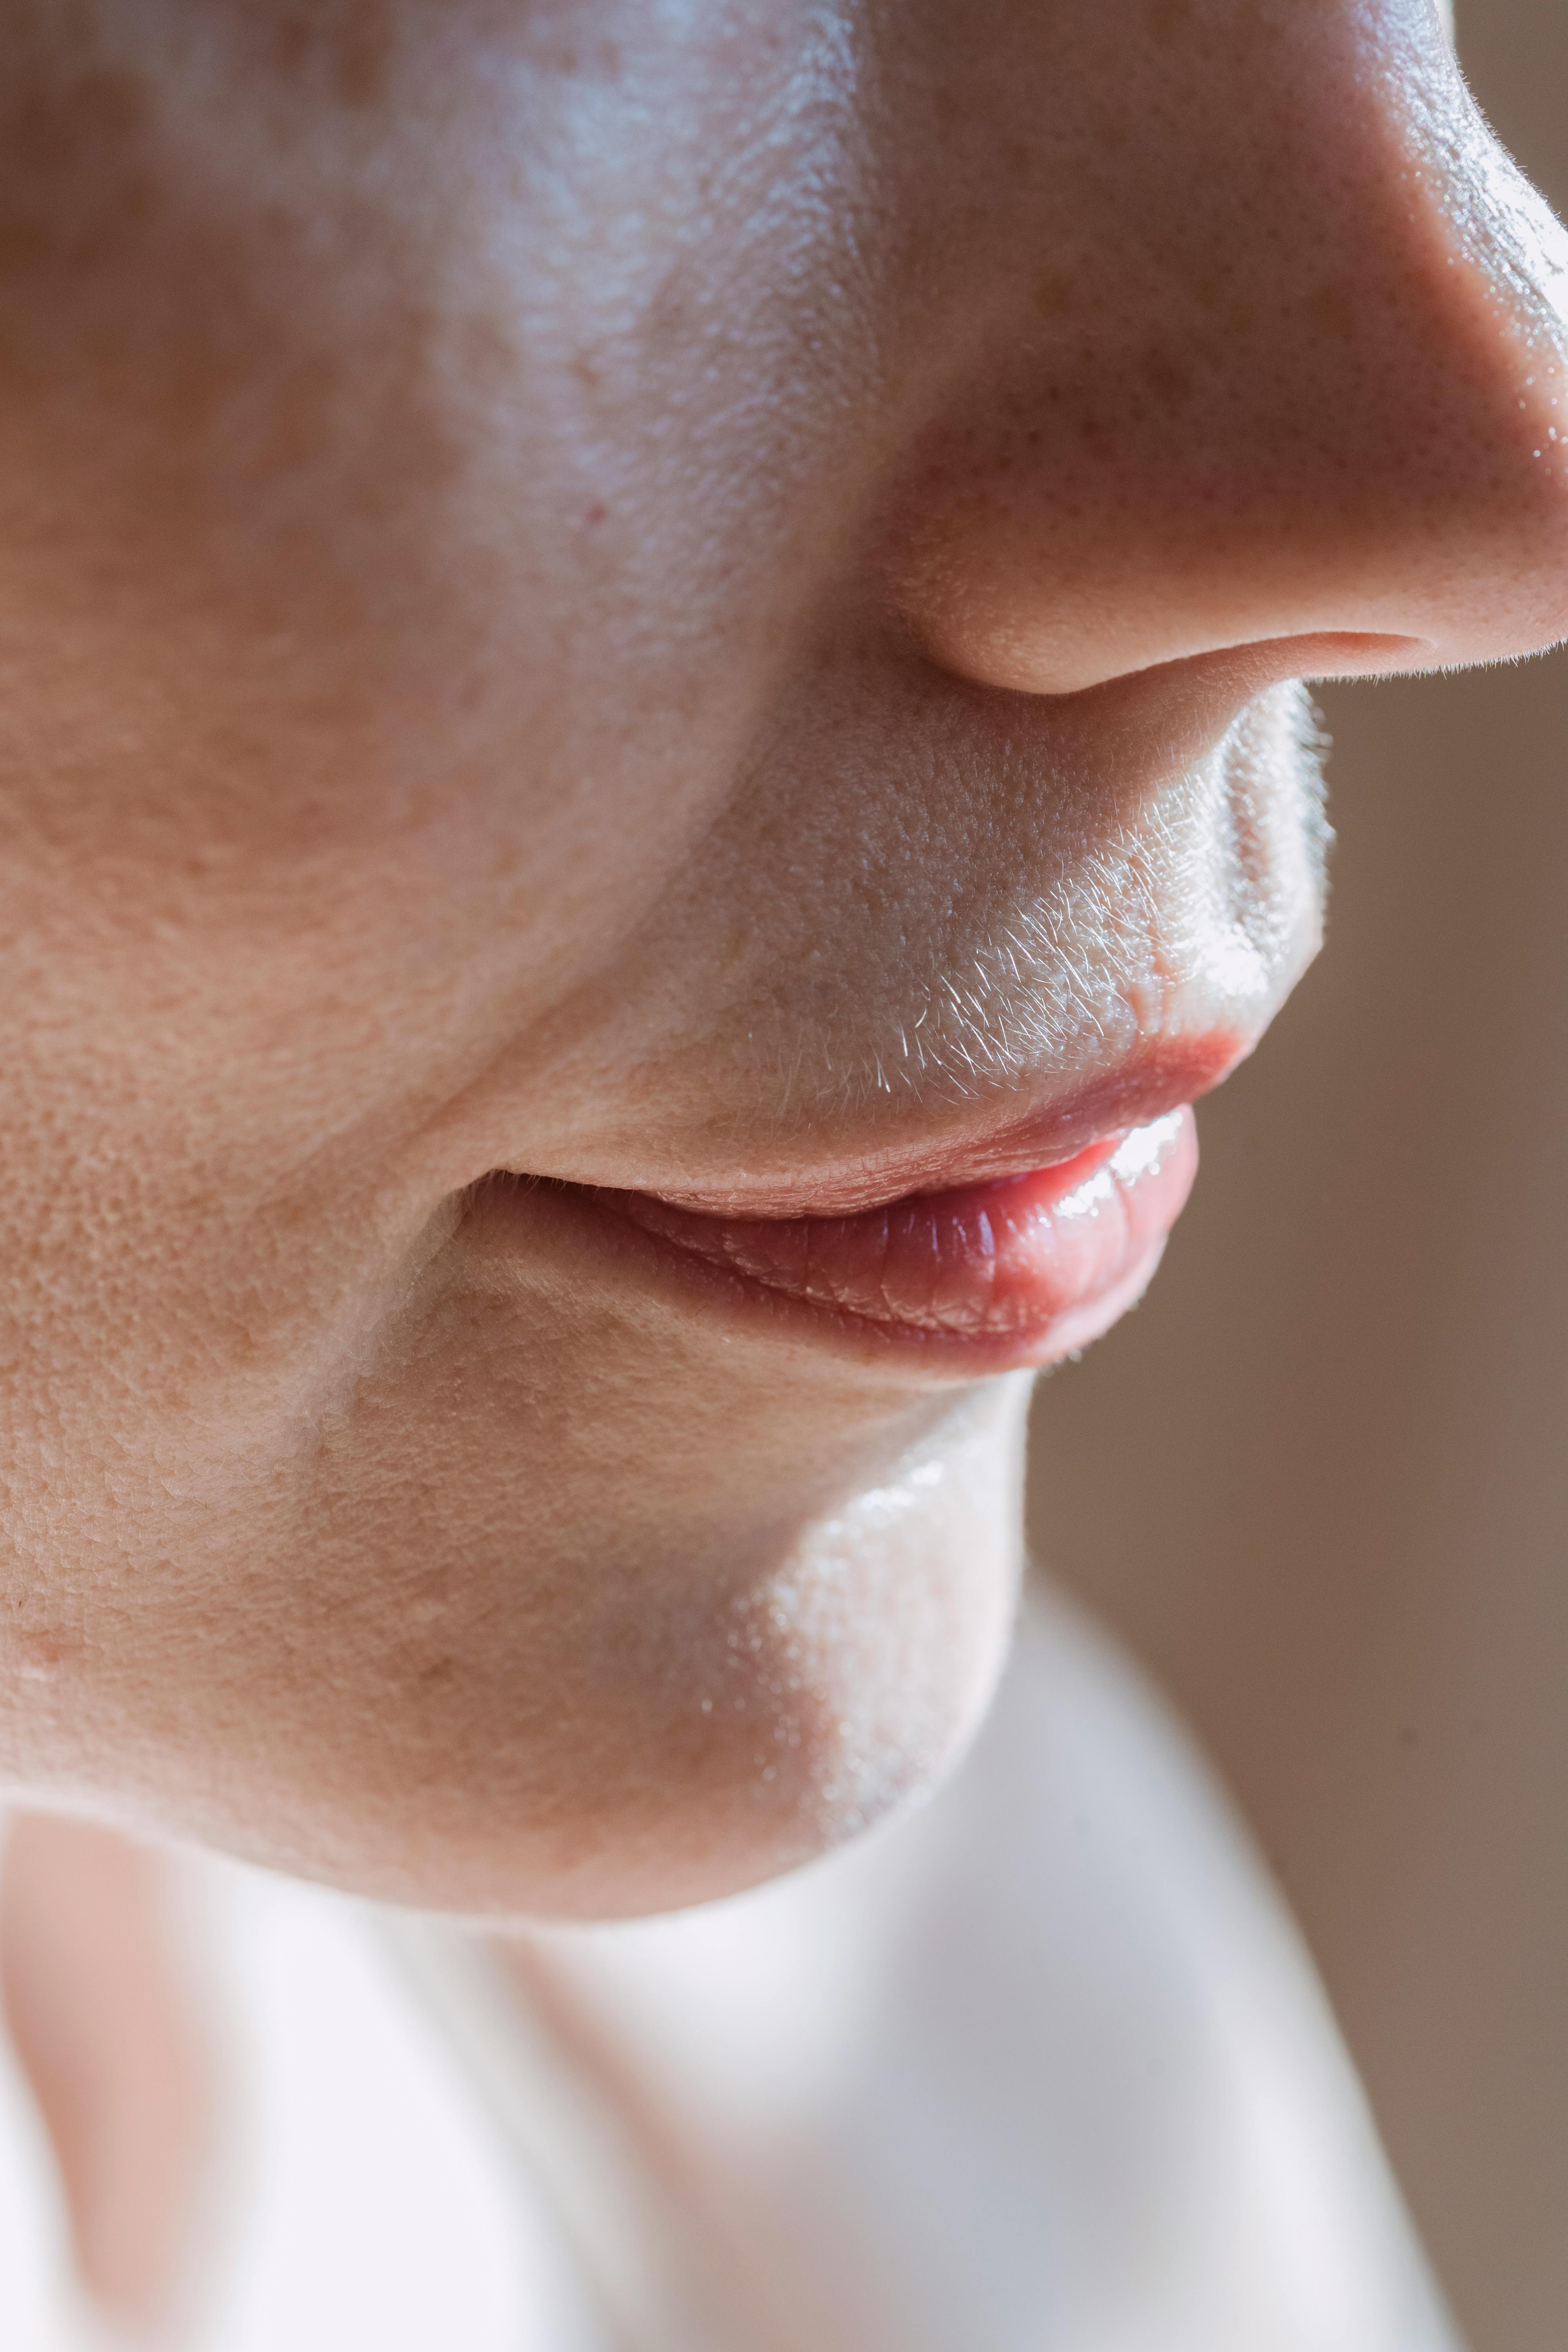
(996, 1276)
(1075, 1197)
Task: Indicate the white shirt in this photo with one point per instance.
(1042, 2068)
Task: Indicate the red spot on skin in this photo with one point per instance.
(597, 513)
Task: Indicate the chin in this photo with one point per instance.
(839, 1693)
(670, 1739)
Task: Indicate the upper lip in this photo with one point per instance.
(1155, 1079)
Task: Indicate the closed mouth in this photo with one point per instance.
(1019, 1268)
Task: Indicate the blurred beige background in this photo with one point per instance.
(1319, 1481)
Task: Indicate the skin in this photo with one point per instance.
(572, 574)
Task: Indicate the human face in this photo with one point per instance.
(626, 628)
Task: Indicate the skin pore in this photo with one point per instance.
(576, 576)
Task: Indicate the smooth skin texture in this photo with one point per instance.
(574, 577)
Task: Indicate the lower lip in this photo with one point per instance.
(1021, 1271)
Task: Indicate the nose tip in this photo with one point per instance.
(1334, 411)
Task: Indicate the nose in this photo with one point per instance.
(1277, 357)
